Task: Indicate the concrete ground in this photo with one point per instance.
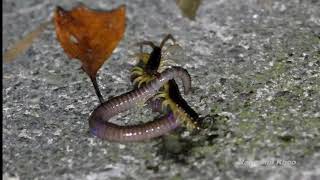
(255, 66)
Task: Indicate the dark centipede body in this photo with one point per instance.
(175, 95)
(154, 62)
(106, 130)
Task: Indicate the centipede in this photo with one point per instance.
(145, 71)
(158, 89)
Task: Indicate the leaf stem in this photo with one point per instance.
(96, 88)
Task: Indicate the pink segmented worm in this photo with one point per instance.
(98, 120)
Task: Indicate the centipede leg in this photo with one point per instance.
(149, 43)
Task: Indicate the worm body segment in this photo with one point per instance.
(98, 121)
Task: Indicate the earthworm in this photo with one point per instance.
(106, 130)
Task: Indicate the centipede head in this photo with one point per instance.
(154, 61)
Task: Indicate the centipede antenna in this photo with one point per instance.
(96, 88)
(149, 43)
(169, 36)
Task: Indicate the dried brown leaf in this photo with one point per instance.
(89, 35)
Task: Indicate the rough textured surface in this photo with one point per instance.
(256, 72)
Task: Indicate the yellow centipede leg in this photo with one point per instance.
(138, 79)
